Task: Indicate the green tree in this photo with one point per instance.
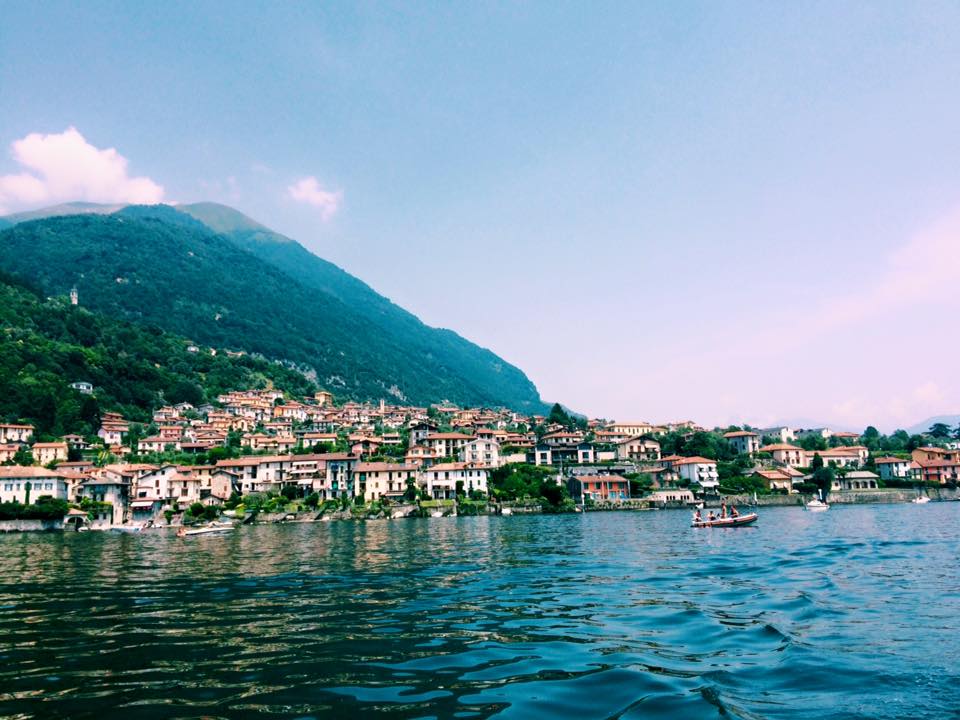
(817, 462)
(940, 431)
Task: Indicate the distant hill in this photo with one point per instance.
(922, 427)
(210, 273)
(49, 344)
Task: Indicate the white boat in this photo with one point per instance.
(208, 530)
(817, 504)
(920, 500)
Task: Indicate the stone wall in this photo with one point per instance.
(30, 525)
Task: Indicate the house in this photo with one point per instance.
(542, 454)
(25, 484)
(893, 468)
(780, 434)
(447, 445)
(638, 449)
(377, 480)
(76, 442)
(785, 454)
(562, 439)
(112, 433)
(744, 442)
(157, 444)
(420, 455)
(8, 451)
(698, 471)
(631, 429)
(115, 492)
(420, 432)
(82, 387)
(856, 480)
(775, 479)
(850, 456)
(443, 481)
(936, 471)
(481, 452)
(674, 495)
(46, 453)
(934, 453)
(605, 488)
(15, 433)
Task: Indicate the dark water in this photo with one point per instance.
(853, 613)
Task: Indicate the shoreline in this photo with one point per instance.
(401, 512)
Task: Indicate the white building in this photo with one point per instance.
(699, 471)
(25, 484)
(636, 448)
(481, 452)
(442, 480)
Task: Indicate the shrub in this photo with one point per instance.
(312, 500)
(289, 492)
(211, 512)
(196, 509)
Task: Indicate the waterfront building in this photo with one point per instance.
(25, 484)
(605, 488)
(444, 480)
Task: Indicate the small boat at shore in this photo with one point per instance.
(208, 530)
(920, 500)
(738, 521)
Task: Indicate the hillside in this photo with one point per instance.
(481, 366)
(49, 344)
(246, 289)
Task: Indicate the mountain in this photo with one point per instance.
(209, 273)
(50, 344)
(921, 427)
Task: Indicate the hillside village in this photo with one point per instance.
(190, 463)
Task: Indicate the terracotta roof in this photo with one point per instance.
(695, 459)
(740, 433)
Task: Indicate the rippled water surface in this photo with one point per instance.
(852, 613)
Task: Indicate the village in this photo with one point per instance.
(310, 454)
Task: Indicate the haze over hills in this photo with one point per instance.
(208, 272)
(921, 427)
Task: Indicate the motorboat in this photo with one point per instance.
(726, 522)
(920, 500)
(213, 529)
(817, 504)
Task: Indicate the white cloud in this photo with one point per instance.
(65, 167)
(308, 190)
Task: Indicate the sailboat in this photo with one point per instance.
(817, 505)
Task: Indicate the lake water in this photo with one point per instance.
(854, 613)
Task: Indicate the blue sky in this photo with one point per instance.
(721, 211)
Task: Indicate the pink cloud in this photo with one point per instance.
(308, 190)
(65, 167)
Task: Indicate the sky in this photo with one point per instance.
(726, 212)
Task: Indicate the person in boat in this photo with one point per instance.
(711, 517)
(697, 517)
(723, 509)
(733, 511)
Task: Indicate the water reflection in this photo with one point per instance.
(596, 615)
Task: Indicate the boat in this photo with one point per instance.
(126, 529)
(726, 522)
(208, 530)
(920, 500)
(817, 504)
